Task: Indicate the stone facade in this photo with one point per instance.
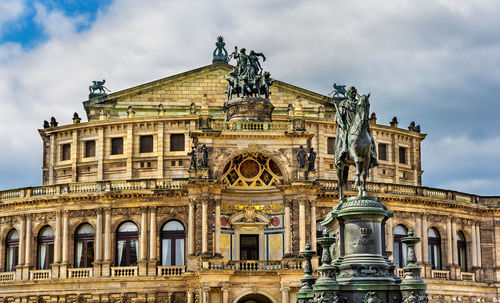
(252, 190)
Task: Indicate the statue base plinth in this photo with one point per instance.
(301, 174)
(202, 173)
(254, 109)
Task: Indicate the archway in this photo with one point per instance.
(254, 298)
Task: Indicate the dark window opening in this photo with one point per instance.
(84, 246)
(12, 250)
(66, 152)
(434, 246)
(330, 145)
(382, 151)
(45, 247)
(127, 246)
(400, 248)
(249, 247)
(117, 146)
(177, 142)
(402, 155)
(89, 149)
(173, 237)
(146, 144)
(462, 251)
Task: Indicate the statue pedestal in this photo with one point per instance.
(192, 173)
(249, 109)
(301, 173)
(311, 175)
(202, 173)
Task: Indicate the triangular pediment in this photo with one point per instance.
(184, 93)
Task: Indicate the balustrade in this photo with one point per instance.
(400, 273)
(171, 270)
(77, 273)
(441, 274)
(7, 276)
(40, 274)
(468, 276)
(124, 271)
(252, 126)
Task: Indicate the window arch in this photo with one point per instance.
(127, 248)
(84, 246)
(173, 237)
(462, 251)
(252, 170)
(45, 245)
(12, 250)
(434, 246)
(400, 248)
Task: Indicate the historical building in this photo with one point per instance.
(171, 192)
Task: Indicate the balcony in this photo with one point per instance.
(468, 276)
(40, 274)
(7, 276)
(168, 271)
(441, 274)
(77, 273)
(246, 126)
(251, 265)
(124, 271)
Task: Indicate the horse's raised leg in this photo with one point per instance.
(340, 178)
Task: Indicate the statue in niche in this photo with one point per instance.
(202, 157)
(301, 157)
(311, 160)
(192, 157)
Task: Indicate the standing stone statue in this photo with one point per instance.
(354, 144)
(301, 157)
(192, 155)
(204, 155)
(311, 160)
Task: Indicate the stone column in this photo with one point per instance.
(191, 227)
(302, 225)
(418, 233)
(99, 152)
(225, 293)
(313, 224)
(22, 245)
(288, 227)
(143, 242)
(478, 245)
(217, 228)
(57, 240)
(190, 296)
(27, 252)
(74, 156)
(425, 247)
(153, 258)
(454, 240)
(205, 295)
(98, 244)
(474, 246)
(129, 149)
(449, 242)
(107, 244)
(52, 157)
(204, 227)
(63, 273)
(160, 149)
(390, 239)
(285, 298)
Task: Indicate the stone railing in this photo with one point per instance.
(124, 271)
(399, 189)
(468, 276)
(252, 126)
(171, 270)
(441, 274)
(40, 274)
(251, 265)
(399, 272)
(7, 276)
(76, 273)
(89, 187)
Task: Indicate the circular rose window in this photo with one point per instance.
(249, 169)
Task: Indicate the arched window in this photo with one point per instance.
(173, 237)
(400, 249)
(84, 246)
(12, 250)
(127, 248)
(45, 250)
(434, 244)
(462, 251)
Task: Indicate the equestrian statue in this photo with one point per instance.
(354, 144)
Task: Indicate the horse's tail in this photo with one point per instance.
(106, 88)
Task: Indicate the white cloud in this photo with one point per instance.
(430, 61)
(10, 10)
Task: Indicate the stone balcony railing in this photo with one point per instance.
(251, 265)
(89, 187)
(400, 189)
(177, 184)
(40, 274)
(440, 274)
(7, 276)
(242, 126)
(80, 272)
(167, 271)
(124, 271)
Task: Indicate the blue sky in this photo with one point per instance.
(430, 61)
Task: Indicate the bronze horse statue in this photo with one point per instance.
(359, 147)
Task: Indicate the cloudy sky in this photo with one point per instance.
(435, 62)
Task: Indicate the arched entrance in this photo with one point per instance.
(254, 298)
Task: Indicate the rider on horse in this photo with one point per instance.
(346, 110)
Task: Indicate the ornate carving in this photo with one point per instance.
(82, 213)
(328, 297)
(371, 297)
